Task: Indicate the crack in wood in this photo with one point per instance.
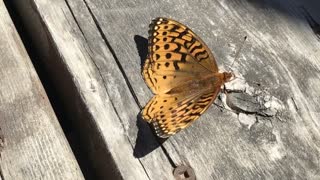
(294, 104)
(2, 142)
(76, 21)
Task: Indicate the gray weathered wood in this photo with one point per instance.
(96, 42)
(94, 90)
(32, 143)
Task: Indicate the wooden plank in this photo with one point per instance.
(32, 143)
(97, 41)
(94, 90)
(219, 146)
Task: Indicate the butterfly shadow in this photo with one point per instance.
(146, 140)
(142, 47)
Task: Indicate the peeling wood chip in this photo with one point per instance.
(261, 105)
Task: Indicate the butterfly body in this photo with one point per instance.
(182, 73)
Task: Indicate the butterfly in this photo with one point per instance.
(182, 73)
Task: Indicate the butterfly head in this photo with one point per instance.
(228, 76)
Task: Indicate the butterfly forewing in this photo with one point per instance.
(166, 32)
(177, 70)
(175, 49)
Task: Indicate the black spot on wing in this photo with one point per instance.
(157, 56)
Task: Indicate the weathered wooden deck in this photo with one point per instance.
(32, 143)
(266, 126)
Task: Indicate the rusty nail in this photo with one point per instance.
(183, 172)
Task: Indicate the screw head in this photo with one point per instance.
(183, 172)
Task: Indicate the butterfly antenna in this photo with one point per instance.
(238, 52)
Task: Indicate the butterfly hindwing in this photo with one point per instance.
(169, 114)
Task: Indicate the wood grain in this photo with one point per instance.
(99, 47)
(95, 92)
(32, 143)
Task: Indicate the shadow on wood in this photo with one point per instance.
(142, 47)
(144, 143)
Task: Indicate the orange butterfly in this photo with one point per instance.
(182, 73)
